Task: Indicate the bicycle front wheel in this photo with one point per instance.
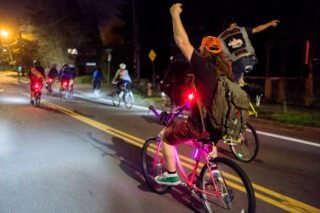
(128, 100)
(153, 164)
(248, 148)
(226, 187)
(116, 99)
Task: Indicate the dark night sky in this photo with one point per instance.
(10, 10)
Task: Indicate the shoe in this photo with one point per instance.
(32, 102)
(168, 179)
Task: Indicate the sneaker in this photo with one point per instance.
(168, 179)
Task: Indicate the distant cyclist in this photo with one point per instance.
(53, 72)
(36, 74)
(122, 77)
(68, 75)
(97, 77)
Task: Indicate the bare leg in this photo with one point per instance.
(214, 151)
(169, 152)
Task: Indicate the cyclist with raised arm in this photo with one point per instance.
(207, 64)
(236, 44)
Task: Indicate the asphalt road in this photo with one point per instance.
(84, 157)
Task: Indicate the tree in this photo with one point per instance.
(59, 25)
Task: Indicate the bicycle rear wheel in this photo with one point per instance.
(230, 185)
(248, 148)
(152, 162)
(37, 102)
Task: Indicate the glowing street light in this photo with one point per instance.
(4, 33)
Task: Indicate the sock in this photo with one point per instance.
(171, 173)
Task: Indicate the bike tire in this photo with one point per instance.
(237, 193)
(37, 102)
(128, 101)
(61, 94)
(247, 149)
(116, 99)
(68, 96)
(64, 95)
(148, 157)
(49, 90)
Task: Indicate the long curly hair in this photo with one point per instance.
(221, 61)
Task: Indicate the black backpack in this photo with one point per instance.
(229, 109)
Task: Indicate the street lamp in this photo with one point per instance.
(3, 34)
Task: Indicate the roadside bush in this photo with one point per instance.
(84, 79)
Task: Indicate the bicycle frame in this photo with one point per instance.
(252, 111)
(200, 153)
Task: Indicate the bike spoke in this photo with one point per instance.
(229, 191)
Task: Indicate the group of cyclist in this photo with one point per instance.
(37, 74)
(122, 78)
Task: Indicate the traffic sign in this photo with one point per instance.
(152, 55)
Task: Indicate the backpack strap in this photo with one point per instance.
(202, 114)
(200, 108)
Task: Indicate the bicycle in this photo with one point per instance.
(219, 185)
(65, 92)
(247, 147)
(124, 95)
(36, 88)
(49, 83)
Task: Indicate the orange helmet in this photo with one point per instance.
(212, 44)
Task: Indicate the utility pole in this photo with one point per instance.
(136, 46)
(109, 50)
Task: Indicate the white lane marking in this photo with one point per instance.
(104, 100)
(289, 139)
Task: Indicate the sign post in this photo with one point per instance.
(109, 50)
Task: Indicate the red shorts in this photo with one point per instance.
(180, 131)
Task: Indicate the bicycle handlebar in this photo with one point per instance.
(153, 109)
(166, 117)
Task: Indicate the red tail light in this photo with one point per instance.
(50, 80)
(191, 96)
(36, 86)
(65, 83)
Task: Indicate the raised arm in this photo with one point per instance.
(262, 27)
(180, 36)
